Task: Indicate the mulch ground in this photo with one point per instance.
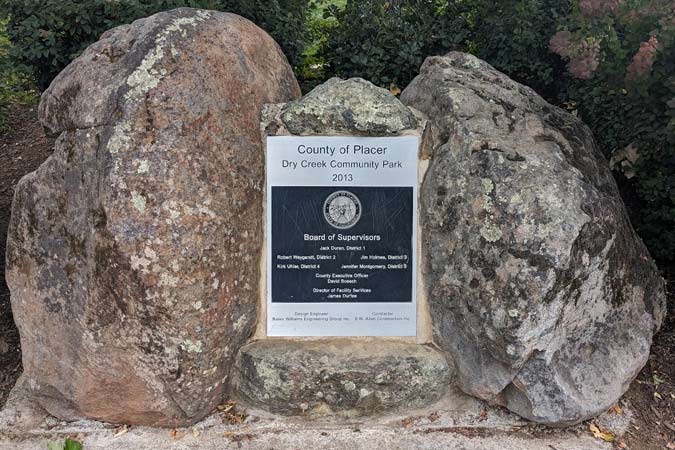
(651, 397)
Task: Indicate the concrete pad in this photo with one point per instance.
(455, 422)
(370, 439)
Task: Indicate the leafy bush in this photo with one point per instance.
(513, 36)
(622, 58)
(15, 85)
(386, 41)
(320, 24)
(48, 34)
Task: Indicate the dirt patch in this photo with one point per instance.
(22, 150)
(652, 394)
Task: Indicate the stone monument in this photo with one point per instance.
(202, 233)
(341, 257)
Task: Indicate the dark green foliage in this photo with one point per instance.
(638, 121)
(629, 103)
(624, 119)
(48, 34)
(15, 85)
(320, 24)
(386, 41)
(513, 36)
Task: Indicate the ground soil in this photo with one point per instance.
(651, 397)
(23, 147)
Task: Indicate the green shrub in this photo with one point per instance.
(15, 85)
(320, 24)
(386, 41)
(48, 34)
(513, 36)
(622, 58)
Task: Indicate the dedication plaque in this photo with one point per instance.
(341, 233)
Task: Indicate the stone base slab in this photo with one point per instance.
(457, 421)
(343, 377)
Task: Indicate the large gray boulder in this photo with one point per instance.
(132, 250)
(539, 289)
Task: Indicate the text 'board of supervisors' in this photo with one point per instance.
(341, 230)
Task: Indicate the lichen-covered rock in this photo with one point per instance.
(539, 288)
(338, 376)
(354, 106)
(131, 251)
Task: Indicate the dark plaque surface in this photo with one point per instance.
(341, 245)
